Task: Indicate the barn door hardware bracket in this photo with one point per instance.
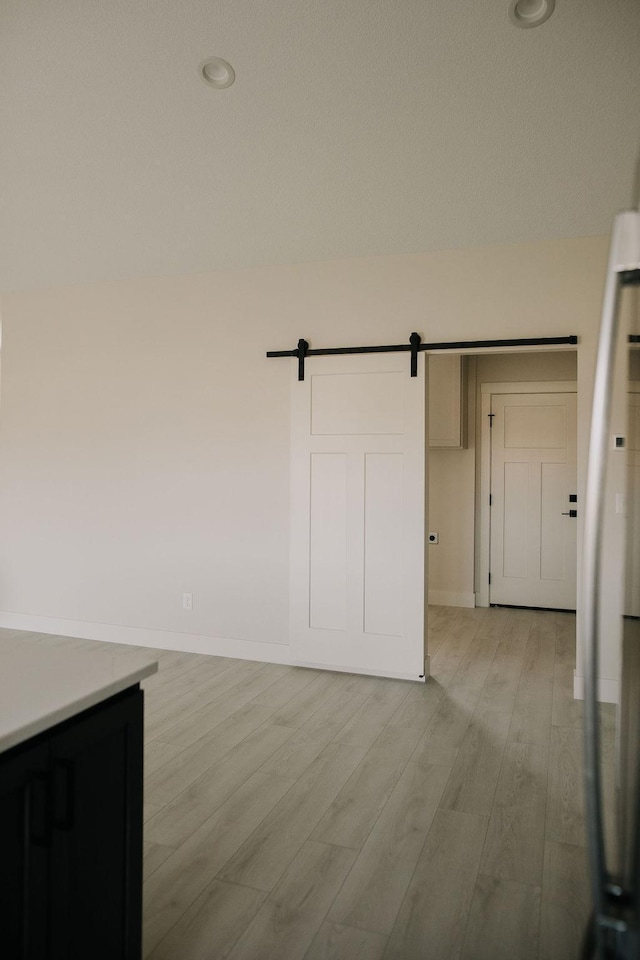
(303, 349)
(414, 341)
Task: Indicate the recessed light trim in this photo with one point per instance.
(530, 13)
(216, 72)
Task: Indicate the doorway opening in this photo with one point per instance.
(515, 537)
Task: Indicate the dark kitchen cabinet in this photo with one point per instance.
(71, 837)
(24, 851)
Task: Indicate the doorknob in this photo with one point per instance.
(570, 513)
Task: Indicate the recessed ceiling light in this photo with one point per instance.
(531, 13)
(217, 72)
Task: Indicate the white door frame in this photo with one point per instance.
(487, 390)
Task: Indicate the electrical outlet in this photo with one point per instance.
(187, 601)
(434, 538)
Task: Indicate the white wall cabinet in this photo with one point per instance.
(446, 388)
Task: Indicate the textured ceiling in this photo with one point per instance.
(354, 127)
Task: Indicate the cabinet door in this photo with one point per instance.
(97, 833)
(24, 855)
(445, 400)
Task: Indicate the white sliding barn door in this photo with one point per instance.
(357, 581)
(533, 474)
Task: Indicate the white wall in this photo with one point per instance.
(518, 367)
(452, 509)
(144, 435)
(451, 515)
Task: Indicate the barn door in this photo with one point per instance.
(533, 515)
(357, 583)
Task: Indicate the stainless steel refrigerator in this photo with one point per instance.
(614, 928)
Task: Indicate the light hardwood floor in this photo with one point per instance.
(293, 814)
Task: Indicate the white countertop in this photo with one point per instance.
(42, 686)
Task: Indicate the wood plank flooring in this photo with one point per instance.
(293, 814)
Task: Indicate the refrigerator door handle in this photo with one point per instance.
(624, 259)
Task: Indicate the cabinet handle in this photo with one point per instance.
(39, 809)
(63, 794)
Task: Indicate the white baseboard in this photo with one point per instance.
(167, 640)
(608, 690)
(141, 637)
(446, 598)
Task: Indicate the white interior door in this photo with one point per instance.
(533, 473)
(357, 584)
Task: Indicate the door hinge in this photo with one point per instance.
(491, 416)
(490, 500)
(489, 579)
